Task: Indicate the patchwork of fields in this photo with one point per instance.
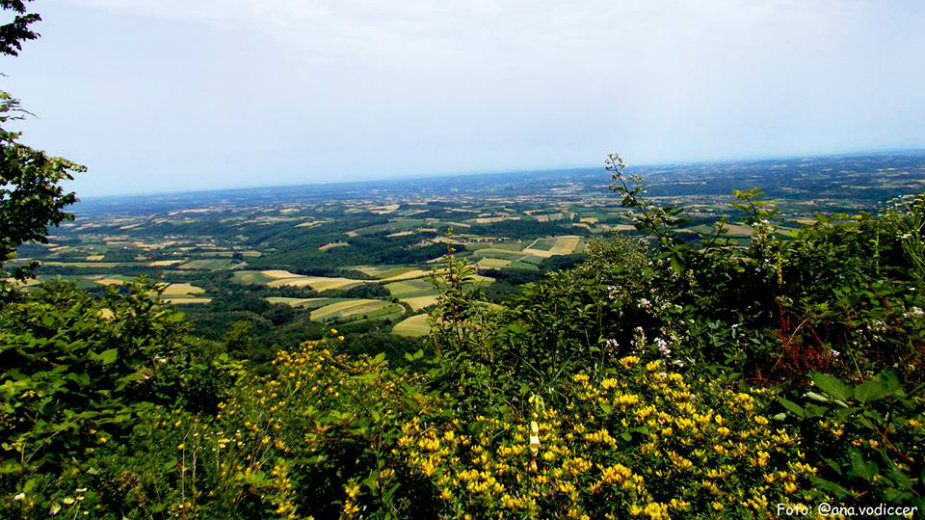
(366, 251)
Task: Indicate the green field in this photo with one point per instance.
(419, 294)
(304, 303)
(212, 264)
(382, 271)
(359, 309)
(411, 288)
(500, 254)
(279, 278)
(252, 278)
(564, 245)
(493, 263)
(317, 283)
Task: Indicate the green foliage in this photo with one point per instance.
(78, 371)
(15, 32)
(669, 376)
(31, 197)
(869, 437)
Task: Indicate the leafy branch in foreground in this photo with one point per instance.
(31, 195)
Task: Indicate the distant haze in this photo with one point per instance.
(171, 95)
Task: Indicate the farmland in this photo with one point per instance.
(362, 255)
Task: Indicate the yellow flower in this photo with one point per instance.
(629, 361)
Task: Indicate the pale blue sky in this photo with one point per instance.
(173, 95)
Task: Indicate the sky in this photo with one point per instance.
(176, 95)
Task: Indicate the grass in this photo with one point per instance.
(499, 254)
(552, 246)
(523, 265)
(383, 271)
(408, 275)
(418, 294)
(333, 245)
(413, 327)
(410, 288)
(361, 309)
(279, 278)
(212, 264)
(305, 303)
(252, 278)
(732, 230)
(493, 263)
(90, 265)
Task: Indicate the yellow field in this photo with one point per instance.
(384, 210)
(410, 275)
(188, 301)
(95, 258)
(494, 220)
(182, 288)
(542, 253)
(292, 302)
(19, 283)
(332, 245)
(163, 263)
(109, 281)
(318, 283)
(420, 302)
(279, 273)
(738, 229)
(414, 327)
(566, 245)
(310, 223)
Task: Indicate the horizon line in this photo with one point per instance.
(426, 176)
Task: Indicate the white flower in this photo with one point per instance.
(915, 311)
(645, 304)
(663, 347)
(20, 497)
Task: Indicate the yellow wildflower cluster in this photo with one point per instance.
(642, 443)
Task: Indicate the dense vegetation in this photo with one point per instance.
(660, 378)
(669, 375)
